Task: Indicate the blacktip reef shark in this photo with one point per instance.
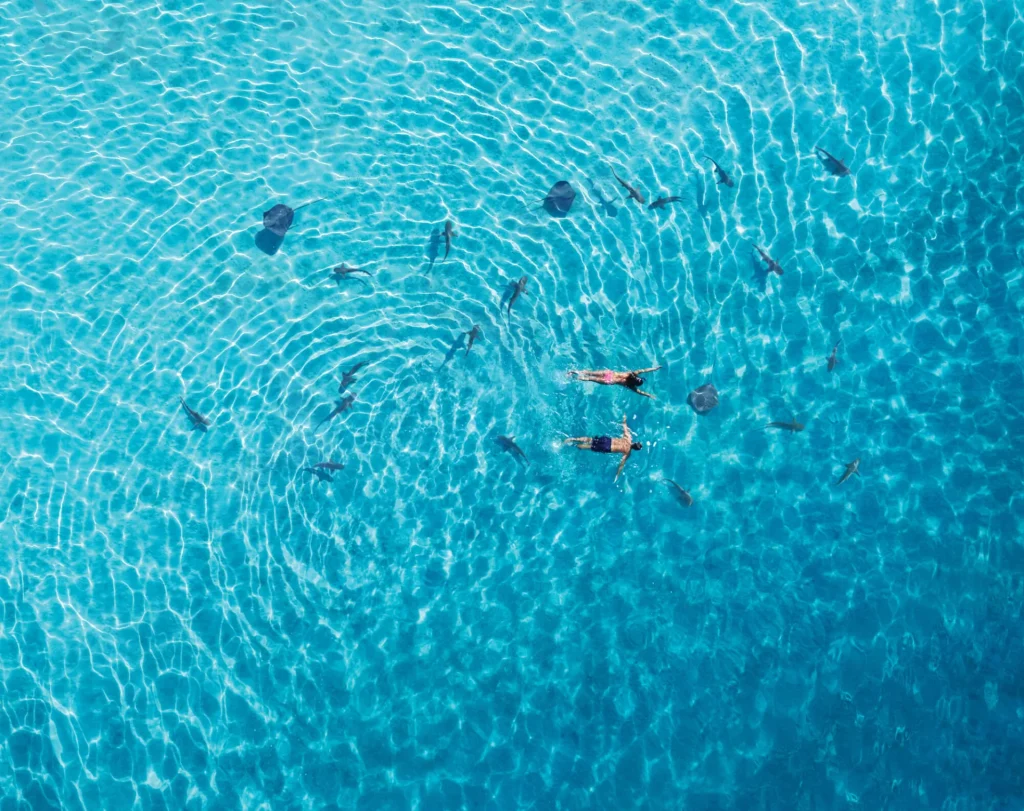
(516, 291)
(198, 420)
(852, 469)
(683, 495)
(319, 472)
(348, 377)
(793, 427)
(473, 335)
(832, 163)
(343, 405)
(633, 193)
(508, 443)
(720, 173)
(773, 266)
(661, 202)
(832, 358)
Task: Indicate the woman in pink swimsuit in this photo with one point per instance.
(631, 380)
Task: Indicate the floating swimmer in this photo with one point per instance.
(832, 358)
(631, 380)
(832, 163)
(720, 173)
(508, 443)
(633, 193)
(852, 469)
(605, 444)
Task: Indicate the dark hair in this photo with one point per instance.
(636, 446)
(633, 381)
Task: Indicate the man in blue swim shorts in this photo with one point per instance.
(605, 444)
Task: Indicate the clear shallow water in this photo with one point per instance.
(189, 622)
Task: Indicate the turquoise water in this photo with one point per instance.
(190, 621)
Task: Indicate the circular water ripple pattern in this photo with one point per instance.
(190, 620)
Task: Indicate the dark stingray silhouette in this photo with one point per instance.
(703, 399)
(276, 222)
(279, 218)
(559, 199)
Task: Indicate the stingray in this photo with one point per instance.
(279, 218)
(559, 199)
(703, 399)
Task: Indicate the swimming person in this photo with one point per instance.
(605, 444)
(631, 380)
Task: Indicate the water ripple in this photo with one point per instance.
(188, 619)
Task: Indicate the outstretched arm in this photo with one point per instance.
(644, 394)
(642, 371)
(625, 429)
(622, 464)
